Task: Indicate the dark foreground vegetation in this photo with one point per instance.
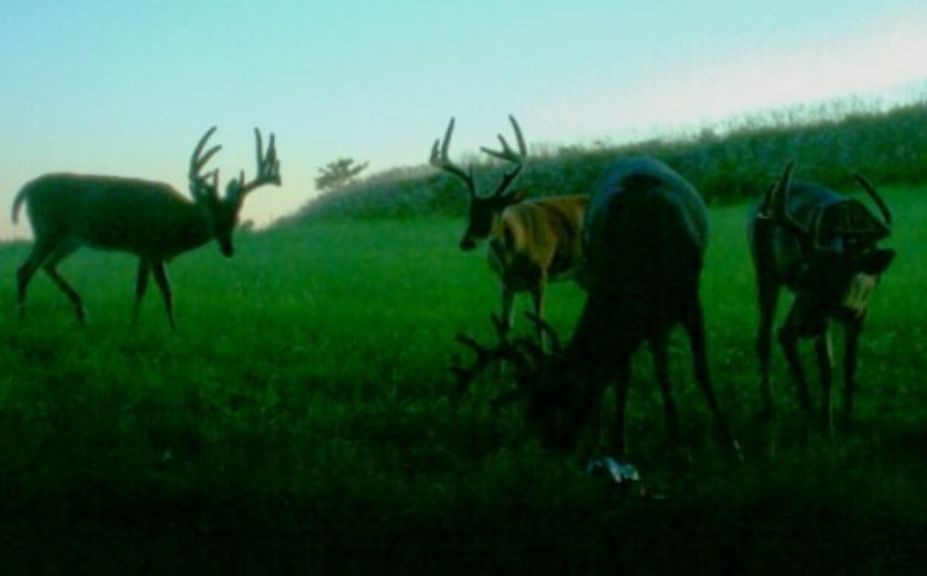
(299, 422)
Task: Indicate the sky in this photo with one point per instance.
(126, 88)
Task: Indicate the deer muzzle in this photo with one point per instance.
(857, 297)
(467, 243)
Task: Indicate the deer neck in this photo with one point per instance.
(192, 231)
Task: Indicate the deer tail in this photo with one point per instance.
(18, 202)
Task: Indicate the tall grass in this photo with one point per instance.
(727, 164)
(299, 421)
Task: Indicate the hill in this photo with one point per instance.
(727, 163)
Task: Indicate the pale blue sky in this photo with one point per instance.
(120, 87)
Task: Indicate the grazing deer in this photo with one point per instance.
(822, 246)
(645, 234)
(149, 219)
(529, 243)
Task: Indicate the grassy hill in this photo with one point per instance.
(298, 422)
(727, 164)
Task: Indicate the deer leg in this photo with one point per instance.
(850, 355)
(40, 252)
(51, 268)
(695, 329)
(768, 299)
(141, 285)
(503, 325)
(822, 347)
(622, 381)
(537, 296)
(160, 275)
(659, 346)
(788, 339)
(508, 309)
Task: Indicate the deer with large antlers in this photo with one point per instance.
(149, 219)
(645, 235)
(822, 246)
(529, 242)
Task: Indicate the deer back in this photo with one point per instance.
(645, 234)
(147, 218)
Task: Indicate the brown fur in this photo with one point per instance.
(535, 242)
(539, 240)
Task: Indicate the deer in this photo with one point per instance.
(529, 243)
(644, 238)
(823, 247)
(151, 220)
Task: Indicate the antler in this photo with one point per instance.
(544, 327)
(485, 357)
(509, 155)
(198, 181)
(268, 169)
(440, 160)
(883, 207)
(775, 202)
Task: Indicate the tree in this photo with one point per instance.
(338, 173)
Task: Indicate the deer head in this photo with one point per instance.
(484, 211)
(222, 213)
(551, 385)
(839, 239)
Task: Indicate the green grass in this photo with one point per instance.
(299, 419)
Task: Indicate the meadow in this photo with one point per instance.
(299, 421)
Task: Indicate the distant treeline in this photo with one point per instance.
(729, 165)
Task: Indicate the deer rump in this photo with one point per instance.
(645, 235)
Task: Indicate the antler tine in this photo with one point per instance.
(199, 160)
(509, 155)
(440, 159)
(466, 375)
(258, 146)
(547, 329)
(877, 198)
(268, 166)
(777, 201)
(271, 162)
(502, 329)
(482, 352)
(779, 194)
(765, 210)
(446, 143)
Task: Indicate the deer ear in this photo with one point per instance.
(503, 202)
(518, 195)
(877, 261)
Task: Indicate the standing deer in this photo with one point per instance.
(149, 219)
(822, 246)
(529, 243)
(645, 234)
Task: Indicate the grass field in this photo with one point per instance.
(299, 421)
